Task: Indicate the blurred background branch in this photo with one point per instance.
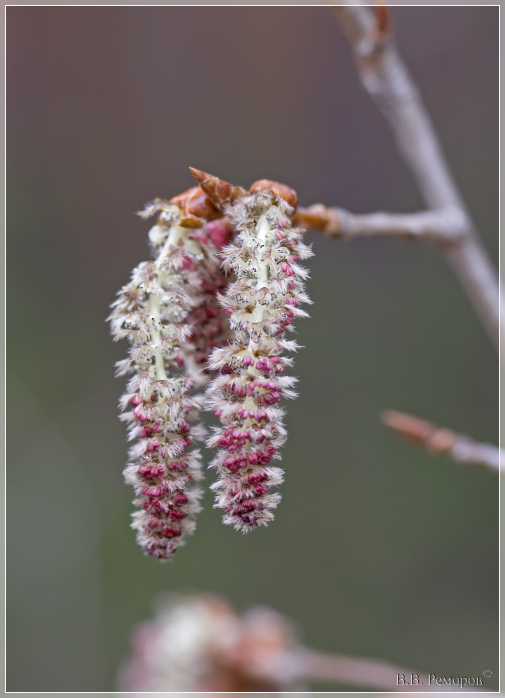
(387, 80)
(442, 441)
(447, 224)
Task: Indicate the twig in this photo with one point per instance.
(389, 83)
(440, 441)
(366, 673)
(443, 227)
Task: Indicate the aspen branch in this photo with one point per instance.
(387, 80)
(442, 227)
(440, 441)
(375, 674)
(366, 673)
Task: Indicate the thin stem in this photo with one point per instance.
(388, 82)
(153, 304)
(439, 441)
(443, 227)
(366, 673)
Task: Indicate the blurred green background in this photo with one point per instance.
(377, 549)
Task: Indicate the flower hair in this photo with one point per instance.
(261, 304)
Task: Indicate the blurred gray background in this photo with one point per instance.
(377, 549)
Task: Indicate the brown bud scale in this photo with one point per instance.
(195, 202)
(282, 190)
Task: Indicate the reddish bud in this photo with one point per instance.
(195, 204)
(171, 531)
(219, 232)
(149, 471)
(176, 515)
(218, 191)
(177, 466)
(282, 190)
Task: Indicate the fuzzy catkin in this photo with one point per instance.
(262, 304)
(158, 311)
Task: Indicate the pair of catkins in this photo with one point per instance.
(212, 310)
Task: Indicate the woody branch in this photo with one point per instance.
(441, 441)
(443, 227)
(373, 674)
(447, 223)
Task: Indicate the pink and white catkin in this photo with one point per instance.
(159, 312)
(262, 304)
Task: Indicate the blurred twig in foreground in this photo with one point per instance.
(198, 642)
